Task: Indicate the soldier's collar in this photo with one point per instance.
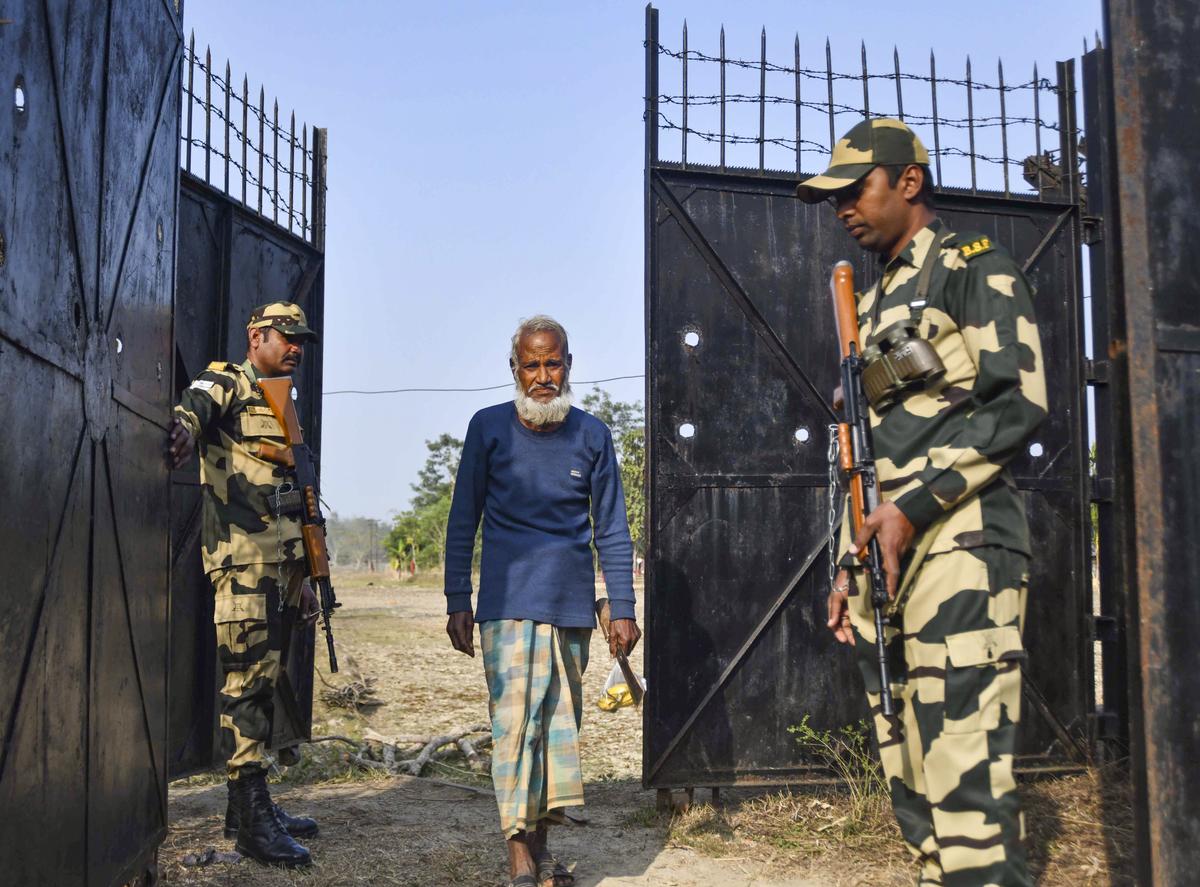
(908, 255)
(250, 370)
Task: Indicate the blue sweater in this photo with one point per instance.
(533, 490)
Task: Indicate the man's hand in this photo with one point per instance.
(839, 609)
(309, 608)
(625, 634)
(461, 628)
(180, 443)
(895, 532)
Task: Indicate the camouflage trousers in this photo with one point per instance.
(948, 752)
(252, 642)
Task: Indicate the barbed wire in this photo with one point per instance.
(985, 122)
(811, 147)
(276, 201)
(694, 55)
(225, 88)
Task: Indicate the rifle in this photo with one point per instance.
(858, 460)
(277, 393)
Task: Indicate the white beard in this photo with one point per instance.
(537, 413)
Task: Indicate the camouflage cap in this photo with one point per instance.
(287, 317)
(880, 141)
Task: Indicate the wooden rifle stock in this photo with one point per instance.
(277, 392)
(857, 460)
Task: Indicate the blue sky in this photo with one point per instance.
(485, 164)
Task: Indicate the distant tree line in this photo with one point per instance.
(358, 543)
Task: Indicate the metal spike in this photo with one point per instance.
(684, 129)
(1037, 128)
(866, 84)
(245, 133)
(799, 142)
(207, 112)
(971, 123)
(937, 141)
(275, 164)
(1003, 125)
(228, 75)
(304, 182)
(762, 101)
(722, 96)
(899, 89)
(829, 91)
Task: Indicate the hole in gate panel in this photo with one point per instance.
(691, 338)
(802, 435)
(119, 344)
(19, 94)
(1036, 450)
(296, 396)
(687, 430)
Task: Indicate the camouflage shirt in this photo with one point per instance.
(226, 414)
(941, 451)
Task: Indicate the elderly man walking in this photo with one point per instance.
(535, 469)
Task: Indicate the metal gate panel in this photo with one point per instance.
(89, 153)
(737, 570)
(231, 259)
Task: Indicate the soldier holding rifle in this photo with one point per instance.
(950, 528)
(253, 553)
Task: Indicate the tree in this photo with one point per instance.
(628, 426)
(620, 416)
(435, 480)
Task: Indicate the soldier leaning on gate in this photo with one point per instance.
(951, 525)
(255, 561)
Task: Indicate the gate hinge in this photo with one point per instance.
(1095, 372)
(1093, 229)
(1104, 629)
(1102, 489)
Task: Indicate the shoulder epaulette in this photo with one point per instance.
(221, 366)
(972, 245)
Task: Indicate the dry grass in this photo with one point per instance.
(1080, 833)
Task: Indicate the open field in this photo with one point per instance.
(421, 833)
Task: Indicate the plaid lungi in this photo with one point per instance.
(535, 687)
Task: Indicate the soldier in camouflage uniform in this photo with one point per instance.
(255, 561)
(951, 526)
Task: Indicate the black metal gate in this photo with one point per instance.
(88, 186)
(740, 363)
(251, 230)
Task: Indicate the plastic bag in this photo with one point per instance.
(616, 691)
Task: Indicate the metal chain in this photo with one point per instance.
(834, 486)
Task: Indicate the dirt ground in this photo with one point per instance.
(417, 832)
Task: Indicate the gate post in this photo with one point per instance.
(1157, 119)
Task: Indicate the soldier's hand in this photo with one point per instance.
(461, 628)
(179, 444)
(309, 608)
(895, 532)
(623, 633)
(839, 609)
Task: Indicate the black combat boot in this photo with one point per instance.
(296, 826)
(260, 834)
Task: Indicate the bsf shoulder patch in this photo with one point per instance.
(976, 247)
(202, 384)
